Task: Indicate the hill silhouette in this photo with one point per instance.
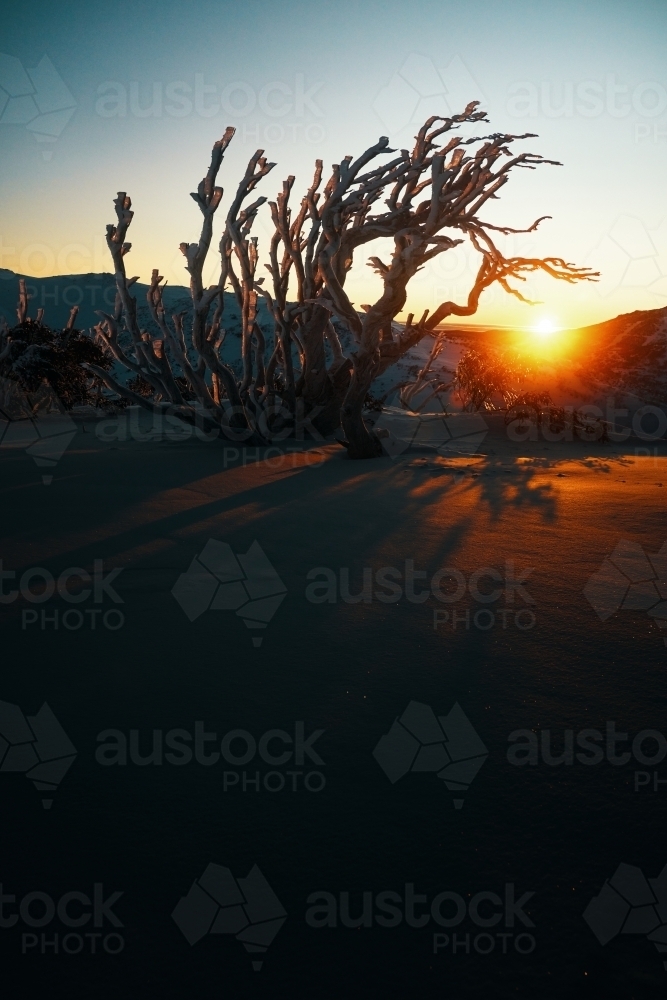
(626, 354)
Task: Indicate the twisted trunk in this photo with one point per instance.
(314, 387)
(361, 443)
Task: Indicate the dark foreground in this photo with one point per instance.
(481, 900)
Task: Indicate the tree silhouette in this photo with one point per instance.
(310, 255)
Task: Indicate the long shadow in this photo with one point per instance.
(502, 485)
(171, 492)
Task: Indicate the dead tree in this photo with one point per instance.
(310, 255)
(459, 178)
(22, 305)
(148, 358)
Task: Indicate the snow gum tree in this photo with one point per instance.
(424, 202)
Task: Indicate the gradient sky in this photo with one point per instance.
(153, 85)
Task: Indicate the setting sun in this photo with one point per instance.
(545, 328)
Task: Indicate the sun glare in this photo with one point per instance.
(545, 328)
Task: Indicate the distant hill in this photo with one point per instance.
(57, 294)
(627, 354)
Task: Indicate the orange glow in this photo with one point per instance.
(546, 340)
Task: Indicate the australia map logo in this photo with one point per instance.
(630, 580)
(629, 903)
(445, 745)
(36, 424)
(220, 580)
(36, 746)
(37, 98)
(245, 908)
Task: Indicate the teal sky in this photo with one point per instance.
(134, 96)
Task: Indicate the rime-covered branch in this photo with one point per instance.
(423, 202)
